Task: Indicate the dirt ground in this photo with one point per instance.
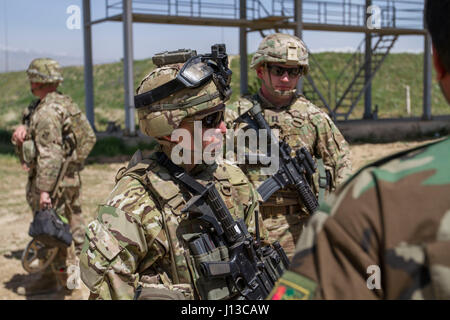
(98, 180)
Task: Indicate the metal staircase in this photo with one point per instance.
(350, 86)
(317, 88)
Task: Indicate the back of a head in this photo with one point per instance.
(437, 22)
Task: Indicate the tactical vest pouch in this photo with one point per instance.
(48, 228)
(28, 152)
(152, 293)
(200, 248)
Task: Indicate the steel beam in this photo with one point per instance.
(243, 49)
(128, 67)
(88, 64)
(256, 25)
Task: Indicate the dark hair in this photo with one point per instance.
(437, 13)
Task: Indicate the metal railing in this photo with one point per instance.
(228, 9)
(393, 13)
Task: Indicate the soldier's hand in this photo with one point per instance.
(25, 167)
(19, 134)
(45, 201)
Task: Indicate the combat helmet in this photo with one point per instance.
(44, 70)
(164, 97)
(281, 48)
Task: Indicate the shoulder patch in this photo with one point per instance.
(292, 286)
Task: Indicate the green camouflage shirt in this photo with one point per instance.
(384, 235)
(300, 124)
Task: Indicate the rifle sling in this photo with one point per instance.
(179, 174)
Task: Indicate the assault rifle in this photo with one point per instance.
(293, 171)
(251, 268)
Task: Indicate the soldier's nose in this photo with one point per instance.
(222, 127)
(285, 77)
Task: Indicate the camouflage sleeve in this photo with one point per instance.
(337, 247)
(119, 240)
(332, 147)
(84, 130)
(49, 146)
(91, 138)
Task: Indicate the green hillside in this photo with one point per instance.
(388, 87)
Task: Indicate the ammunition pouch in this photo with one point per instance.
(50, 230)
(153, 293)
(202, 249)
(28, 152)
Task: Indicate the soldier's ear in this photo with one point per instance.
(438, 65)
(260, 71)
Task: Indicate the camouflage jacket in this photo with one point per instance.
(385, 234)
(299, 124)
(127, 245)
(49, 127)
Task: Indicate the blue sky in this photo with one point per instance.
(30, 28)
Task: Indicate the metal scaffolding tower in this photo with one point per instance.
(396, 17)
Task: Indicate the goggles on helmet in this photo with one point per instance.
(210, 118)
(196, 72)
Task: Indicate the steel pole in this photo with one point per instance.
(128, 67)
(368, 70)
(243, 49)
(427, 78)
(299, 33)
(88, 64)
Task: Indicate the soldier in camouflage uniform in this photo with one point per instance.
(386, 233)
(44, 142)
(139, 239)
(280, 61)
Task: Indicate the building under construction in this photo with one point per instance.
(381, 22)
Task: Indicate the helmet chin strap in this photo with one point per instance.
(167, 147)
